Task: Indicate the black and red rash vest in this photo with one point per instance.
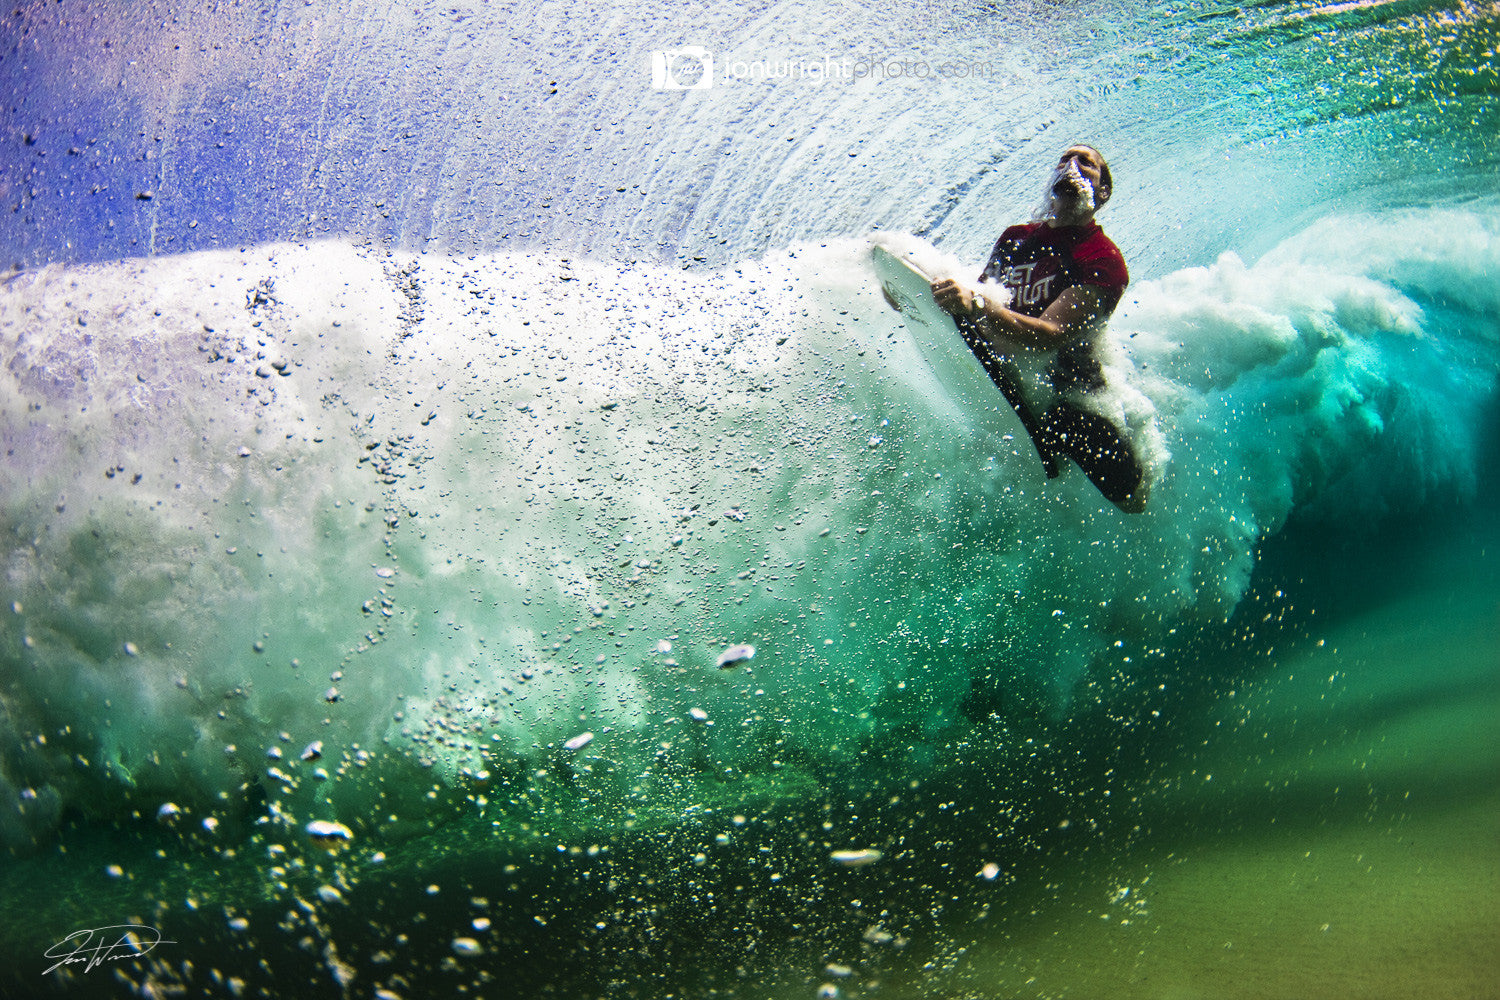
(1037, 263)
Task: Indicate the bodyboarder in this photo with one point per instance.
(1062, 278)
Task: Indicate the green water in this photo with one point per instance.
(1303, 803)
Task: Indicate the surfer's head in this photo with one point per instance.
(1079, 186)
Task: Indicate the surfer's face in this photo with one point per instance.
(1076, 188)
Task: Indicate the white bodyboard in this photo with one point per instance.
(907, 286)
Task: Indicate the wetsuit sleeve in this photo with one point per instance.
(1098, 262)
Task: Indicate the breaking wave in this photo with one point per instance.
(443, 517)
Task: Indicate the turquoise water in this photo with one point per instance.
(408, 413)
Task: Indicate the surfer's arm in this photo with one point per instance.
(1075, 311)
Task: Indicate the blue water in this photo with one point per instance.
(425, 384)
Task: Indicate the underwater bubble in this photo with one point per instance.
(856, 859)
(330, 894)
(169, 812)
(114, 871)
(313, 750)
(698, 714)
(329, 835)
(990, 871)
(579, 742)
(736, 655)
(466, 946)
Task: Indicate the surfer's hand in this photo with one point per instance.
(953, 297)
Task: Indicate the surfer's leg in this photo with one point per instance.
(1103, 454)
(1003, 374)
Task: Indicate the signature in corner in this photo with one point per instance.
(104, 944)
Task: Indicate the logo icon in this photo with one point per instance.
(688, 68)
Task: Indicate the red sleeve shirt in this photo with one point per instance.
(1038, 262)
